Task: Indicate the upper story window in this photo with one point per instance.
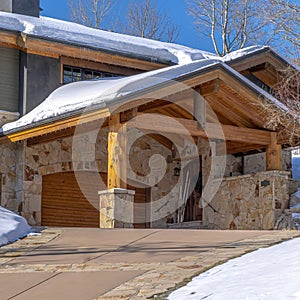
(72, 74)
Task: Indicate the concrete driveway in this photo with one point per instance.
(110, 264)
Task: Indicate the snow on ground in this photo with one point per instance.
(270, 273)
(12, 227)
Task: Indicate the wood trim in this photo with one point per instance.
(8, 40)
(59, 125)
(55, 49)
(256, 60)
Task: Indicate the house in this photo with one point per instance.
(163, 136)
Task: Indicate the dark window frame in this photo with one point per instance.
(74, 74)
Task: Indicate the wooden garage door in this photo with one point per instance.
(63, 203)
(141, 212)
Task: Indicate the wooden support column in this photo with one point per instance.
(116, 154)
(273, 154)
(199, 109)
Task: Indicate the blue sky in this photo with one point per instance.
(176, 9)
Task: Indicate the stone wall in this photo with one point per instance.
(248, 201)
(9, 167)
(237, 203)
(89, 153)
(8, 176)
(257, 162)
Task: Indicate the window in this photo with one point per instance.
(72, 74)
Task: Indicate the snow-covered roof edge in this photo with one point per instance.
(125, 45)
(79, 35)
(104, 94)
(248, 52)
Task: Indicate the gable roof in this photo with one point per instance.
(101, 95)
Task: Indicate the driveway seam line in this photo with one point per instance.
(137, 240)
(30, 288)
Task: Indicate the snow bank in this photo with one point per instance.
(12, 227)
(271, 273)
(80, 35)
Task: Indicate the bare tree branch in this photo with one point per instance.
(286, 118)
(145, 20)
(235, 24)
(90, 12)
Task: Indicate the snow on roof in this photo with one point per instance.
(101, 93)
(244, 52)
(104, 93)
(72, 33)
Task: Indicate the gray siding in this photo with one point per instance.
(6, 5)
(26, 7)
(9, 79)
(23, 7)
(43, 77)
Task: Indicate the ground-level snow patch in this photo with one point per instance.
(271, 273)
(12, 226)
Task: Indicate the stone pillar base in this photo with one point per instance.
(116, 208)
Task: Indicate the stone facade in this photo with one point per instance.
(87, 153)
(9, 164)
(8, 176)
(7, 117)
(22, 169)
(248, 201)
(257, 162)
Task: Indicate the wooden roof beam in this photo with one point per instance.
(230, 133)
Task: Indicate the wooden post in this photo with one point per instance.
(273, 154)
(199, 109)
(116, 148)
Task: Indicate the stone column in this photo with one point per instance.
(116, 208)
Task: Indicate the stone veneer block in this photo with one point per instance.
(7, 117)
(116, 208)
(253, 201)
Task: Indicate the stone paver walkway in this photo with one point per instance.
(147, 264)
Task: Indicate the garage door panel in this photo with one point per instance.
(64, 204)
